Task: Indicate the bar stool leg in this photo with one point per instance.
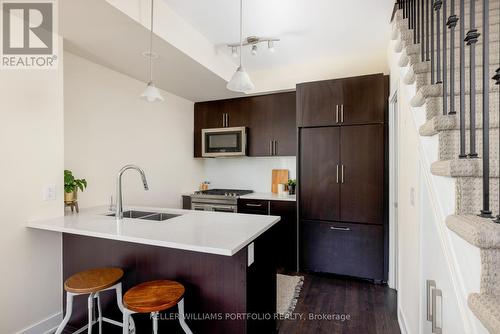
(182, 317)
(119, 301)
(90, 303)
(67, 316)
(154, 315)
(126, 317)
(99, 311)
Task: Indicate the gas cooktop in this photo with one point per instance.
(223, 192)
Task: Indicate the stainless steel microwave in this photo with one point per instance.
(224, 142)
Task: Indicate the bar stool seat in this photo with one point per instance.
(92, 282)
(154, 297)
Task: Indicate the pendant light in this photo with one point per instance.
(151, 93)
(240, 82)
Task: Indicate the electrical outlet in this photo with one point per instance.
(49, 192)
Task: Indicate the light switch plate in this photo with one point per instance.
(251, 254)
(49, 192)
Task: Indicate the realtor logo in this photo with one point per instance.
(28, 34)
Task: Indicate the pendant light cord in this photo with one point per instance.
(151, 45)
(241, 29)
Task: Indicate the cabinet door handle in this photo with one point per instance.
(341, 113)
(270, 147)
(336, 113)
(343, 172)
(275, 150)
(431, 285)
(435, 294)
(254, 205)
(337, 173)
(227, 120)
(223, 120)
(345, 229)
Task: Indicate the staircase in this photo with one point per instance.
(448, 94)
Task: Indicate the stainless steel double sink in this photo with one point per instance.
(155, 216)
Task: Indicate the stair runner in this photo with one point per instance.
(480, 232)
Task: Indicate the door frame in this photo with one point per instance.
(393, 189)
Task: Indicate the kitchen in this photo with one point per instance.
(248, 150)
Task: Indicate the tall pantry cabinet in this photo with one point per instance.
(342, 176)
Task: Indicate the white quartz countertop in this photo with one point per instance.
(270, 197)
(200, 231)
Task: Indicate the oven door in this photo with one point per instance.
(225, 208)
(214, 207)
(224, 142)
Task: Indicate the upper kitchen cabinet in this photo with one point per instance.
(284, 128)
(270, 119)
(363, 100)
(349, 101)
(317, 103)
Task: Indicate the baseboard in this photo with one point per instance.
(402, 322)
(45, 326)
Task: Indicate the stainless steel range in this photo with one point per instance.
(220, 200)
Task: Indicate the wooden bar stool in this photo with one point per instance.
(154, 297)
(92, 282)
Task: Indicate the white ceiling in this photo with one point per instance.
(309, 29)
(113, 39)
(320, 39)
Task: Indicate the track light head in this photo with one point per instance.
(254, 49)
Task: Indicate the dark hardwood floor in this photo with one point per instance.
(367, 309)
(371, 308)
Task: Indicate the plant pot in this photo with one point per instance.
(70, 197)
(291, 190)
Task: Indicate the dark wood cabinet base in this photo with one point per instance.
(218, 288)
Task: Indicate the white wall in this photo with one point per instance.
(31, 151)
(108, 126)
(246, 173)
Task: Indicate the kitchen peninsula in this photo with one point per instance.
(224, 260)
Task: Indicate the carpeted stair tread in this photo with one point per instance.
(480, 232)
(487, 310)
(434, 105)
(463, 168)
(440, 123)
(449, 143)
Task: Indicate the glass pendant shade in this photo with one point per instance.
(152, 94)
(240, 82)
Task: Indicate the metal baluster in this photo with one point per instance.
(417, 19)
(471, 40)
(462, 80)
(452, 23)
(445, 64)
(414, 22)
(422, 30)
(427, 21)
(433, 76)
(486, 212)
(437, 8)
(496, 78)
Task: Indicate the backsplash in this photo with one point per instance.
(246, 173)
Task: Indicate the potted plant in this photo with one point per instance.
(71, 186)
(292, 184)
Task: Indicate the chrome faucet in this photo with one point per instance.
(119, 197)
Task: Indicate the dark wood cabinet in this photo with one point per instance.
(317, 101)
(342, 177)
(319, 185)
(363, 99)
(347, 101)
(283, 121)
(284, 233)
(362, 161)
(342, 248)
(270, 119)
